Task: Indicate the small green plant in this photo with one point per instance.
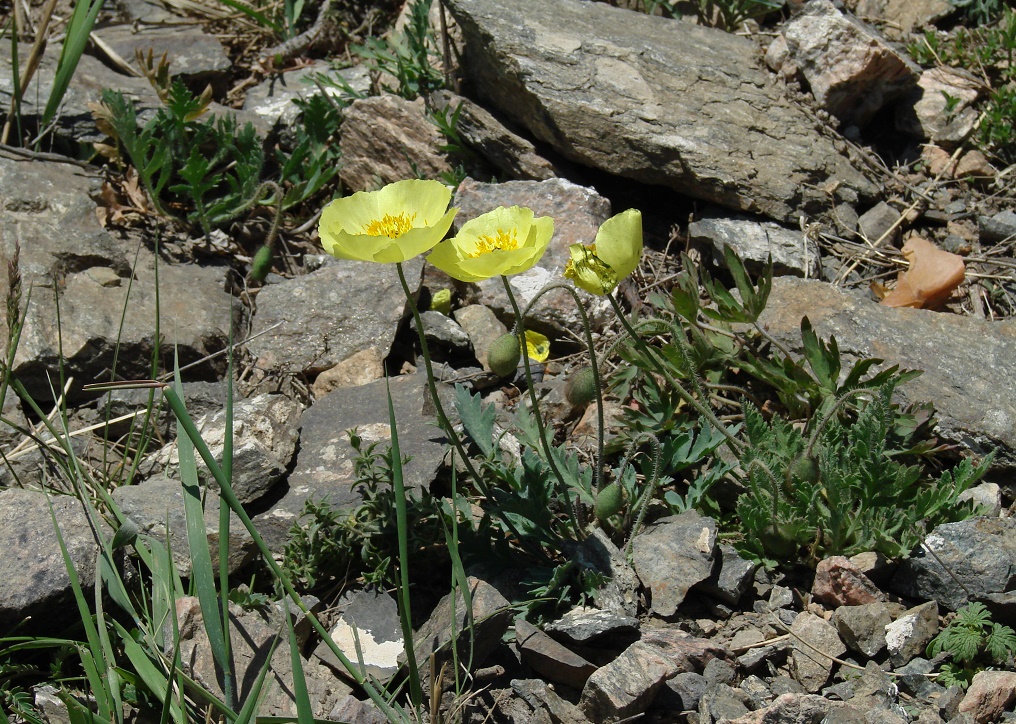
(207, 172)
(973, 642)
(408, 57)
(283, 24)
(313, 163)
(980, 12)
(328, 545)
(839, 487)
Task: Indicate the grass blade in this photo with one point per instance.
(202, 574)
(402, 523)
(80, 26)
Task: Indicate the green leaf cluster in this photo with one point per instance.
(842, 489)
(973, 641)
(205, 171)
(409, 56)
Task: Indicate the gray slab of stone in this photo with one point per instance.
(577, 211)
(311, 323)
(878, 224)
(369, 633)
(723, 703)
(482, 327)
(590, 626)
(672, 555)
(733, 578)
(252, 634)
(545, 701)
(620, 591)
(898, 18)
(652, 99)
(324, 465)
(626, 686)
(514, 156)
(265, 433)
(274, 98)
(199, 397)
(476, 633)
(1000, 227)
(972, 559)
(966, 361)
(91, 77)
(851, 69)
(810, 668)
(444, 332)
(48, 207)
(689, 687)
(550, 659)
(862, 628)
(159, 500)
(33, 576)
(194, 55)
(755, 242)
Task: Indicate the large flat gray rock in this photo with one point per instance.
(653, 99)
(48, 209)
(967, 362)
(312, 322)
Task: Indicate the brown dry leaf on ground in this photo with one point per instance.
(932, 276)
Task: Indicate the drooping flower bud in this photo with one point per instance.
(581, 387)
(504, 355)
(609, 501)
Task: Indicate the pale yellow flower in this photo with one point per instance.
(504, 241)
(402, 220)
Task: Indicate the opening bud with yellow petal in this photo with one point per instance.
(398, 222)
(537, 346)
(504, 241)
(614, 255)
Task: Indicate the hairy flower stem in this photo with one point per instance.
(520, 332)
(597, 383)
(442, 418)
(732, 442)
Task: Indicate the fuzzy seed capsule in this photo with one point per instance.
(504, 355)
(608, 501)
(581, 387)
(261, 264)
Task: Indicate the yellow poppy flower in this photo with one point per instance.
(504, 241)
(537, 346)
(394, 224)
(614, 255)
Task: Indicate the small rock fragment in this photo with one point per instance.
(990, 693)
(838, 582)
(909, 635)
(815, 640)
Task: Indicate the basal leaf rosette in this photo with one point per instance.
(614, 254)
(402, 220)
(504, 241)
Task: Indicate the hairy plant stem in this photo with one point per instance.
(597, 383)
(520, 332)
(732, 442)
(442, 418)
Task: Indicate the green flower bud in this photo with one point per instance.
(609, 501)
(805, 468)
(261, 264)
(581, 387)
(504, 355)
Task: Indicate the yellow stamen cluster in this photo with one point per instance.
(503, 241)
(391, 226)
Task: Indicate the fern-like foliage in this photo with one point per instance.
(973, 640)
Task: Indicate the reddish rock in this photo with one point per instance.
(990, 693)
(838, 582)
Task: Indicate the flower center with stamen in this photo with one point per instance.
(391, 226)
(502, 241)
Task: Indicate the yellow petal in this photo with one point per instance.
(619, 242)
(501, 242)
(537, 346)
(394, 224)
